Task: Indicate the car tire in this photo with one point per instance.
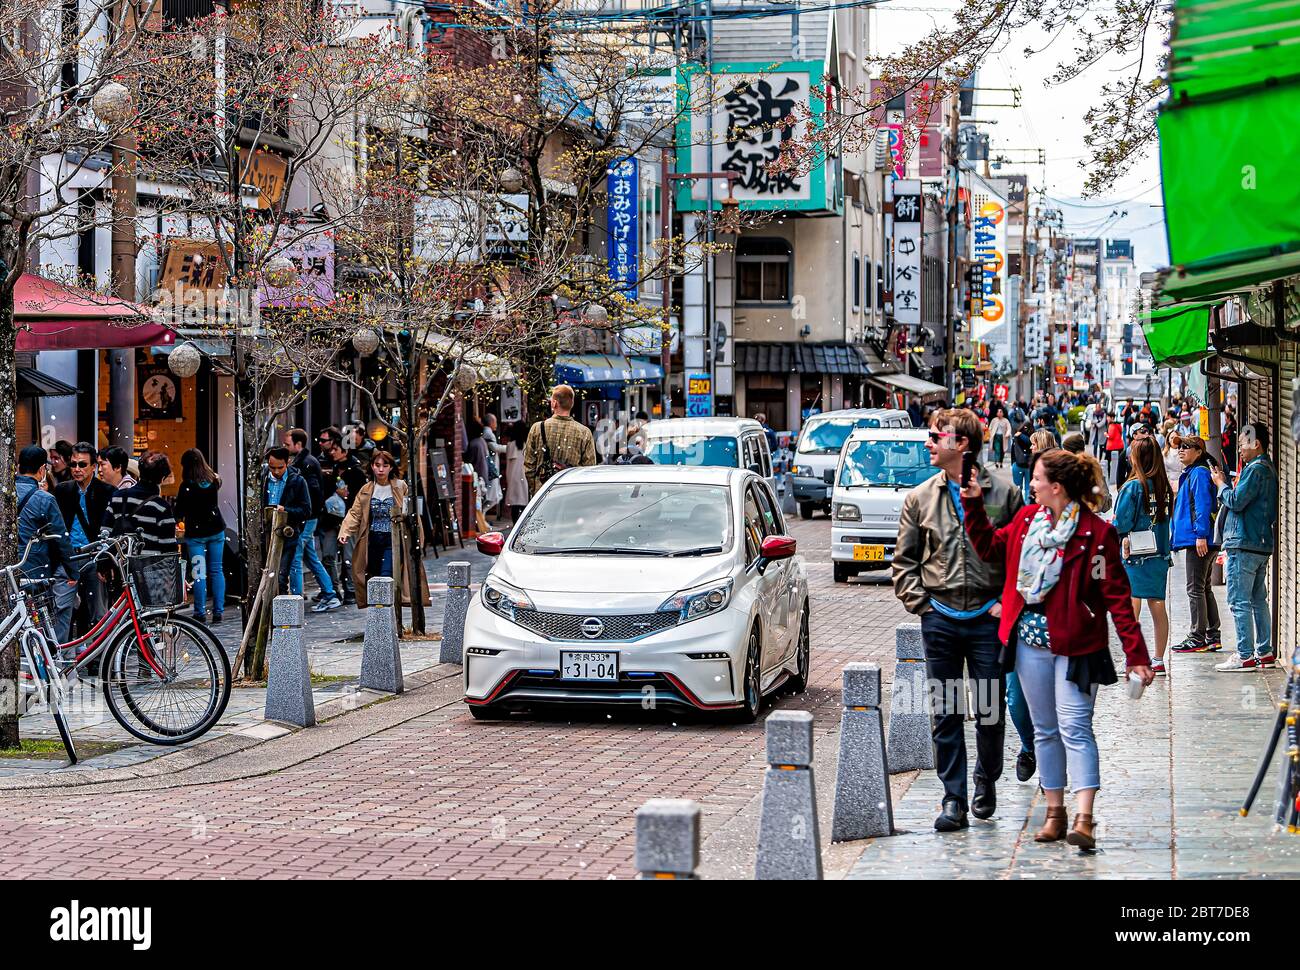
(805, 510)
(481, 713)
(803, 657)
(751, 696)
(843, 573)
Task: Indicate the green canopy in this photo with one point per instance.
(1178, 335)
(1230, 134)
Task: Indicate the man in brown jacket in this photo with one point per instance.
(557, 443)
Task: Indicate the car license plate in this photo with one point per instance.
(863, 553)
(588, 666)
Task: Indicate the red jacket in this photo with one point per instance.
(1092, 584)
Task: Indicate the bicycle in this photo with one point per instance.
(166, 679)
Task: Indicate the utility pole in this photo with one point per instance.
(121, 363)
(951, 302)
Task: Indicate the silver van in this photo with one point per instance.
(818, 451)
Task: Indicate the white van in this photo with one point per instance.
(725, 442)
(818, 451)
(876, 470)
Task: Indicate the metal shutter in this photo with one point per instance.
(1288, 518)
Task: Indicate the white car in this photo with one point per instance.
(877, 468)
(724, 442)
(818, 451)
(656, 586)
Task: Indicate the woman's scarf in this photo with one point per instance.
(1043, 553)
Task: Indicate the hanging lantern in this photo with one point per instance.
(280, 272)
(466, 377)
(596, 315)
(113, 104)
(184, 360)
(511, 181)
(376, 430)
(365, 341)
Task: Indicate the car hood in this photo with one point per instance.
(584, 579)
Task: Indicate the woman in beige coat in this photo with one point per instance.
(368, 527)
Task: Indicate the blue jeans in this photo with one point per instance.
(307, 550)
(1247, 573)
(205, 561)
(1018, 708)
(1062, 716)
(1020, 478)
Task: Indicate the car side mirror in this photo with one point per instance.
(774, 548)
(491, 543)
(756, 467)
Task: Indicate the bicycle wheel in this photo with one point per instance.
(183, 696)
(56, 709)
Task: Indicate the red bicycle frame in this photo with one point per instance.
(107, 625)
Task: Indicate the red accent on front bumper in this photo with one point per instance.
(686, 692)
(502, 684)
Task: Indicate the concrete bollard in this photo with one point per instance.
(788, 842)
(668, 838)
(288, 678)
(453, 614)
(911, 745)
(864, 808)
(381, 654)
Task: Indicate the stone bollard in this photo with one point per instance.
(381, 654)
(788, 843)
(288, 678)
(668, 838)
(864, 808)
(910, 743)
(453, 613)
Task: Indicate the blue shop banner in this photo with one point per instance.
(621, 223)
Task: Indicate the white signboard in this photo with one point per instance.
(906, 280)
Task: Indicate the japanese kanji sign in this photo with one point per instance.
(621, 224)
(907, 252)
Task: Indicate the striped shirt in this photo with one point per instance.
(142, 509)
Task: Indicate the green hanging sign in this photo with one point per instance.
(1178, 335)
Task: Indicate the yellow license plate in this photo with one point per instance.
(863, 553)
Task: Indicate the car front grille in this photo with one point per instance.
(568, 626)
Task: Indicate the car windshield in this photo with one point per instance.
(627, 519)
(827, 436)
(720, 450)
(905, 463)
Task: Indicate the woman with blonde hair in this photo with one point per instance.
(1145, 505)
(1064, 574)
(1169, 454)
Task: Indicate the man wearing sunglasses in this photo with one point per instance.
(84, 503)
(939, 577)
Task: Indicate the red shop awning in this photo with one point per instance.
(52, 317)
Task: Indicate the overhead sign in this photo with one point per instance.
(897, 157)
(907, 252)
(761, 115)
(699, 396)
(621, 225)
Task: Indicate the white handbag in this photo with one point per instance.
(1142, 543)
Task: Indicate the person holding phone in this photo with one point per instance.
(938, 576)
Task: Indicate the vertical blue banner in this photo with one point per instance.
(621, 224)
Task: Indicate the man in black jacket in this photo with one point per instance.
(286, 489)
(305, 463)
(337, 464)
(83, 501)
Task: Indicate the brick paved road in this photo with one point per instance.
(441, 794)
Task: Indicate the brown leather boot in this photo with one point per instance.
(1053, 829)
(1082, 833)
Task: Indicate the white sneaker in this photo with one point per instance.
(333, 603)
(1234, 662)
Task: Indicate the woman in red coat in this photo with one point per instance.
(1064, 574)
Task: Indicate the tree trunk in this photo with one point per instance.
(8, 505)
(250, 531)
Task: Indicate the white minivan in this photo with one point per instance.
(818, 451)
(721, 442)
(876, 470)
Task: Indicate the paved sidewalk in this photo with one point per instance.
(1175, 766)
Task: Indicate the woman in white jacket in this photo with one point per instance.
(516, 482)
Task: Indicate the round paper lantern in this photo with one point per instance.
(596, 315)
(466, 377)
(184, 360)
(280, 271)
(113, 104)
(511, 181)
(365, 341)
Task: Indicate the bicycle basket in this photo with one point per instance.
(158, 579)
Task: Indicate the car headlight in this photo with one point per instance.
(502, 598)
(691, 604)
(803, 471)
(848, 512)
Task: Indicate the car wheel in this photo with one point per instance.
(805, 510)
(752, 684)
(481, 713)
(843, 573)
(803, 658)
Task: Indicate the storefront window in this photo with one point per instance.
(763, 270)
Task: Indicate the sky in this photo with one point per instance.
(1050, 118)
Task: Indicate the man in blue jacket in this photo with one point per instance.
(286, 489)
(1250, 512)
(38, 510)
(1193, 530)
